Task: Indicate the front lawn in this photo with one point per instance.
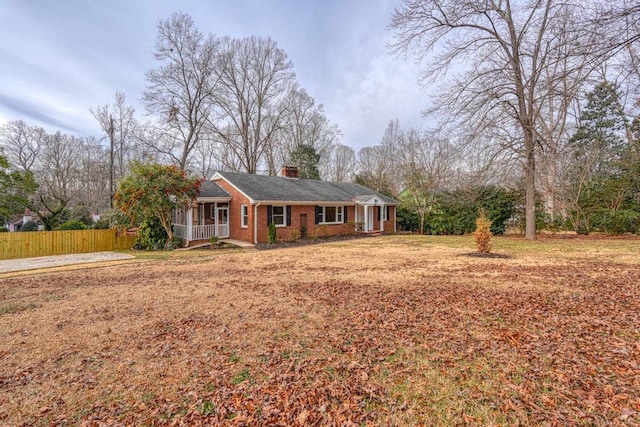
(394, 330)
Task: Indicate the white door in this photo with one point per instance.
(222, 222)
(370, 210)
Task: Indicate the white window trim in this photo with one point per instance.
(284, 215)
(244, 215)
(384, 213)
(338, 215)
(212, 211)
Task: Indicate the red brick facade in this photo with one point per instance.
(297, 213)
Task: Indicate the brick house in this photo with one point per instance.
(241, 206)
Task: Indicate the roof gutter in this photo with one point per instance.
(316, 203)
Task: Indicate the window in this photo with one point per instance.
(278, 216)
(212, 212)
(330, 214)
(244, 216)
(385, 212)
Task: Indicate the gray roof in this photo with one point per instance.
(211, 189)
(275, 188)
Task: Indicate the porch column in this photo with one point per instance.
(215, 219)
(365, 209)
(395, 219)
(381, 218)
(189, 224)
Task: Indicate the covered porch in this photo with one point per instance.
(369, 210)
(202, 221)
(207, 217)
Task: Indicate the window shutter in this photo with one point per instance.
(269, 215)
(379, 213)
(344, 214)
(288, 215)
(388, 212)
(318, 214)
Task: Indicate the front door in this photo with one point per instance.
(303, 226)
(222, 222)
(369, 210)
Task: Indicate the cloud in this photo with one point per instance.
(35, 111)
(60, 58)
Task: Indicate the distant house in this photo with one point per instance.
(241, 206)
(16, 223)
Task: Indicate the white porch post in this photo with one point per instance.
(189, 224)
(215, 219)
(381, 218)
(366, 218)
(395, 219)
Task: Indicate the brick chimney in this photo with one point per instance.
(290, 172)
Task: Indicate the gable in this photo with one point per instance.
(209, 190)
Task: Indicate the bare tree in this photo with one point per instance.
(58, 173)
(304, 123)
(180, 90)
(511, 52)
(119, 125)
(376, 170)
(207, 157)
(427, 163)
(21, 143)
(94, 173)
(339, 165)
(118, 120)
(254, 75)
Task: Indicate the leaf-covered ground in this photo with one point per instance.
(399, 330)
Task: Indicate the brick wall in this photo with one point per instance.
(285, 233)
(235, 211)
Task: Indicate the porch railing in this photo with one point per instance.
(198, 232)
(201, 232)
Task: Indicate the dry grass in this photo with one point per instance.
(401, 330)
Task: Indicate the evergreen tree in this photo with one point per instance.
(15, 187)
(600, 176)
(306, 159)
(599, 141)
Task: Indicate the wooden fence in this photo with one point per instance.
(43, 243)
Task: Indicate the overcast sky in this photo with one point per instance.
(59, 58)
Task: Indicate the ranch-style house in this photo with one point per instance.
(241, 206)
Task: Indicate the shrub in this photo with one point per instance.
(101, 224)
(273, 236)
(29, 226)
(213, 240)
(617, 222)
(73, 224)
(117, 219)
(408, 220)
(80, 213)
(151, 235)
(294, 235)
(352, 226)
(175, 243)
(483, 233)
(4, 229)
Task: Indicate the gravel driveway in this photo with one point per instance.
(59, 260)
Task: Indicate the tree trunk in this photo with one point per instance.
(530, 188)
